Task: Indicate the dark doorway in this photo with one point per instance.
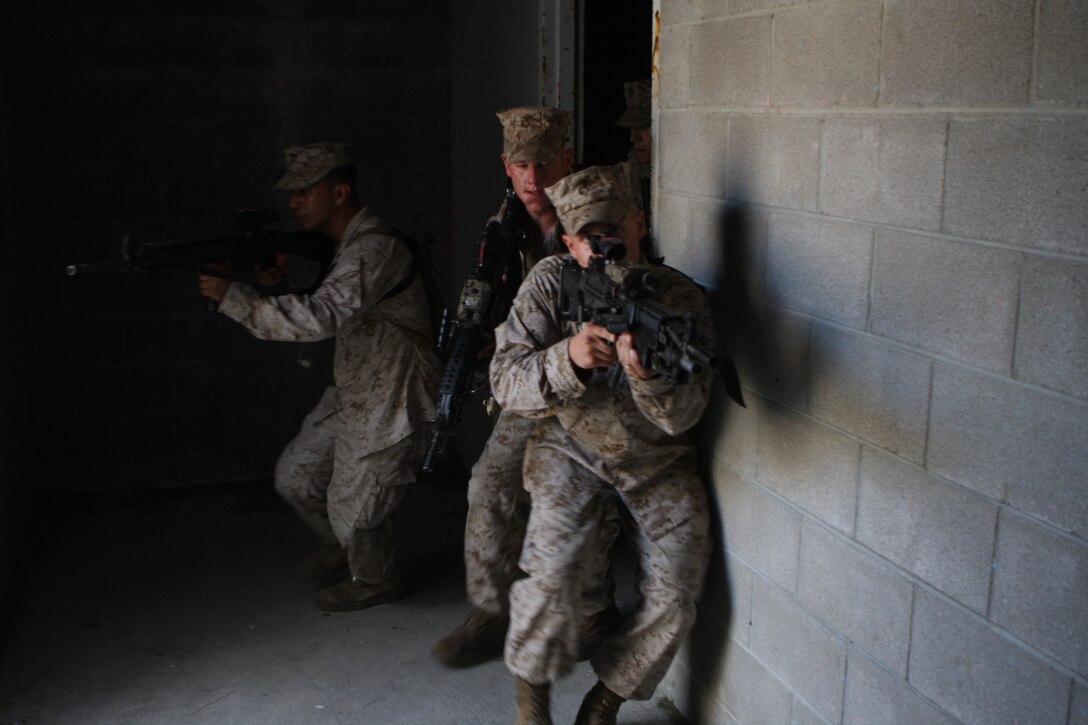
(617, 44)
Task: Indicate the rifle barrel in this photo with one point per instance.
(87, 267)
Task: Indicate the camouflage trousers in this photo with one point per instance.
(498, 510)
(345, 497)
(568, 487)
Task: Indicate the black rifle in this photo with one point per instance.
(485, 301)
(250, 247)
(619, 296)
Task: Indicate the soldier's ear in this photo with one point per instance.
(568, 158)
(341, 192)
(570, 240)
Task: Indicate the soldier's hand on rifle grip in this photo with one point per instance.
(628, 357)
(592, 347)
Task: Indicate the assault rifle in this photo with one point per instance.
(249, 248)
(619, 296)
(484, 303)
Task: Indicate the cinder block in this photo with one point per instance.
(1052, 334)
(803, 653)
(759, 529)
(875, 695)
(809, 465)
(741, 232)
(1040, 592)
(730, 62)
(771, 352)
(689, 692)
(947, 297)
(1078, 706)
(672, 226)
(937, 531)
(938, 53)
(827, 54)
(858, 596)
(1042, 204)
(741, 580)
(707, 252)
(871, 389)
(820, 266)
(1011, 443)
(774, 161)
(959, 662)
(673, 70)
(749, 691)
(727, 432)
(674, 12)
(883, 169)
(1061, 56)
(803, 714)
(751, 6)
(693, 153)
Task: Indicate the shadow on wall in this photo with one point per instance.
(766, 360)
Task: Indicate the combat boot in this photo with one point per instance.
(351, 594)
(596, 629)
(599, 707)
(478, 639)
(534, 707)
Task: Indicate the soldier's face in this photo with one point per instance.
(313, 206)
(642, 142)
(631, 230)
(531, 178)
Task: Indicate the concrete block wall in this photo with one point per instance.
(160, 121)
(888, 201)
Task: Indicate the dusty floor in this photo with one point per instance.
(183, 607)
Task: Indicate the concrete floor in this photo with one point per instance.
(183, 607)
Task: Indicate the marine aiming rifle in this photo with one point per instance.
(240, 255)
(619, 296)
(484, 303)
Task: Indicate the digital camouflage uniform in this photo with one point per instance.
(609, 436)
(638, 98)
(497, 502)
(346, 470)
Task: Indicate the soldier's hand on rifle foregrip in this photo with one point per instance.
(214, 288)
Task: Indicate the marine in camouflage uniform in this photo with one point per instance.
(534, 155)
(637, 118)
(347, 469)
(602, 430)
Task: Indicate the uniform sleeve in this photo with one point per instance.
(531, 370)
(362, 273)
(675, 409)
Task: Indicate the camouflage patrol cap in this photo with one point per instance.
(594, 194)
(638, 95)
(533, 133)
(307, 165)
